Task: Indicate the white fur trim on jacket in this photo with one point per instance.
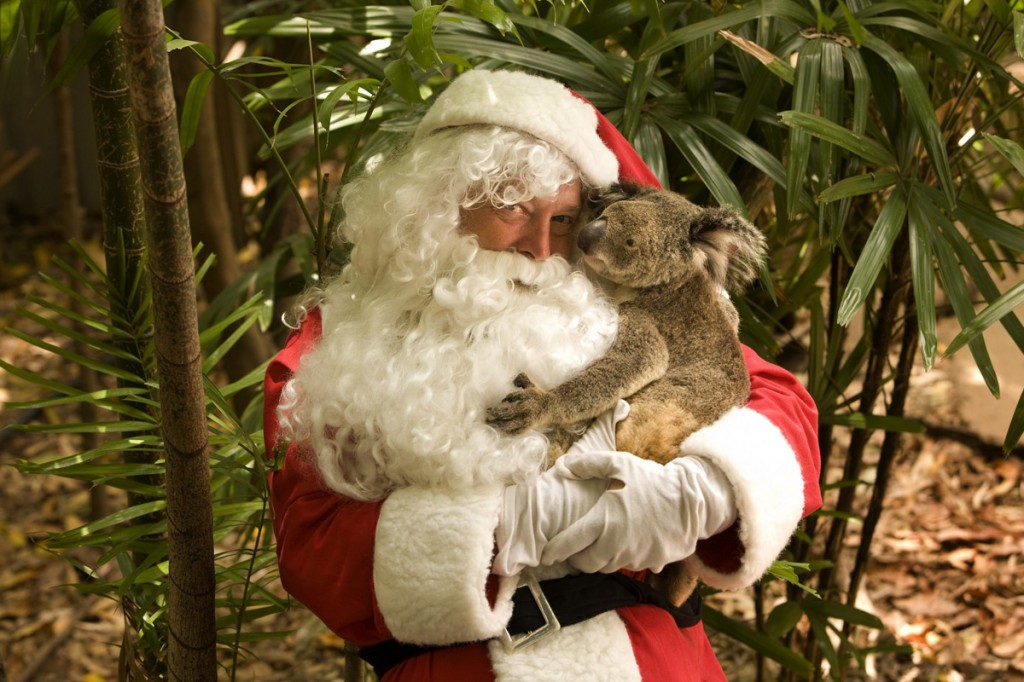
(538, 106)
(595, 650)
(431, 563)
(768, 487)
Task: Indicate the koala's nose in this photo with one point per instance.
(591, 233)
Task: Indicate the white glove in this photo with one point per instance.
(600, 435)
(655, 518)
(532, 513)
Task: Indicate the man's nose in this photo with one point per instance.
(535, 242)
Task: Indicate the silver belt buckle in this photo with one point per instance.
(551, 624)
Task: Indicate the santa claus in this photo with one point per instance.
(406, 523)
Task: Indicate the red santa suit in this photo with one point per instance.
(415, 566)
(330, 561)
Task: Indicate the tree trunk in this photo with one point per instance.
(120, 178)
(192, 637)
(209, 204)
(72, 209)
(124, 222)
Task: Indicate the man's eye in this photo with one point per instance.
(562, 225)
(511, 208)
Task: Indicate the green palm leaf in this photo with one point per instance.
(779, 9)
(68, 332)
(613, 71)
(703, 162)
(152, 443)
(956, 288)
(876, 251)
(805, 95)
(922, 111)
(101, 398)
(923, 277)
(993, 313)
(863, 146)
(859, 185)
(758, 641)
(1013, 152)
(71, 356)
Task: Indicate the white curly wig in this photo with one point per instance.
(423, 330)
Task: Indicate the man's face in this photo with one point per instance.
(537, 228)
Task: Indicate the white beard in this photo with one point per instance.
(397, 398)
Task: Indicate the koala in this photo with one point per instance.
(676, 357)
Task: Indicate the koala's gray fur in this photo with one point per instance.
(677, 356)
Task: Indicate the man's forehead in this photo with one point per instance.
(569, 194)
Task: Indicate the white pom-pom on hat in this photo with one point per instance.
(537, 106)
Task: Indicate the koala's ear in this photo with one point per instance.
(600, 199)
(733, 247)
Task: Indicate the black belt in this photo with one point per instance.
(574, 599)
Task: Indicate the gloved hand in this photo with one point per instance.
(653, 519)
(532, 513)
(600, 435)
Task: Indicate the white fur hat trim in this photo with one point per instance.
(538, 106)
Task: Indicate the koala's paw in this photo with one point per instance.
(522, 381)
(520, 410)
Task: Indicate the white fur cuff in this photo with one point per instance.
(767, 484)
(431, 564)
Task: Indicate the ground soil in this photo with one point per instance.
(945, 575)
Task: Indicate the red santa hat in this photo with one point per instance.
(546, 110)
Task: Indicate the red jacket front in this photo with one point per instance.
(414, 566)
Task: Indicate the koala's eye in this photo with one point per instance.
(630, 242)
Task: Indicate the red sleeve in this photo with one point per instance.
(325, 542)
(280, 370)
(776, 394)
(766, 480)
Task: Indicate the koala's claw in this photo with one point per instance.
(506, 418)
(517, 412)
(521, 381)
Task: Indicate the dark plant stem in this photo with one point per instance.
(246, 591)
(874, 379)
(887, 455)
(759, 624)
(890, 445)
(838, 276)
(355, 671)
